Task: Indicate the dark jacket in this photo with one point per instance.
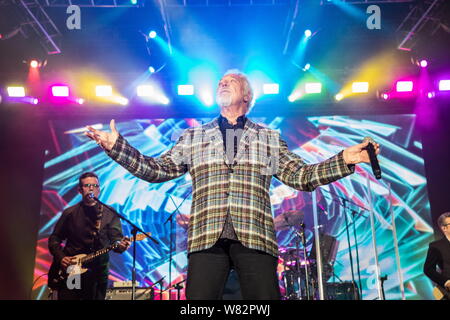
(438, 256)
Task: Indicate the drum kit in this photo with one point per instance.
(300, 268)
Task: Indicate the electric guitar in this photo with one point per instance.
(440, 293)
(57, 275)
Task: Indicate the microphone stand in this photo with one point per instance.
(170, 218)
(134, 231)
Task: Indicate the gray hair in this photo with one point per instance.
(441, 219)
(248, 91)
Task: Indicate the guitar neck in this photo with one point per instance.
(103, 251)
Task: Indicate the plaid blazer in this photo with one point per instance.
(221, 183)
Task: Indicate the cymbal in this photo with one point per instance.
(287, 219)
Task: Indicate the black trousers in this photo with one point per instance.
(92, 287)
(208, 272)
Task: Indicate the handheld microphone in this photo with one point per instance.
(373, 157)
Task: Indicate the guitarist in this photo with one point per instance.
(439, 256)
(85, 227)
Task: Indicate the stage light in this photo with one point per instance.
(206, 97)
(444, 85)
(306, 67)
(297, 94)
(151, 69)
(308, 33)
(164, 100)
(185, 90)
(123, 101)
(35, 101)
(134, 1)
(339, 97)
(423, 63)
(34, 64)
(79, 101)
(152, 34)
(404, 86)
(313, 87)
(385, 96)
(431, 95)
(271, 88)
(360, 87)
(16, 91)
(60, 91)
(145, 91)
(103, 91)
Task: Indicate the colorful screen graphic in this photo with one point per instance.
(160, 208)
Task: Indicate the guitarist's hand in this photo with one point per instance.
(123, 245)
(66, 261)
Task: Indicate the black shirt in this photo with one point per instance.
(77, 226)
(237, 129)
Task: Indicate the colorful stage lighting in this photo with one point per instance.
(431, 95)
(360, 87)
(60, 91)
(207, 98)
(185, 90)
(134, 1)
(313, 87)
(16, 91)
(123, 101)
(152, 34)
(423, 63)
(35, 101)
(151, 69)
(444, 85)
(80, 100)
(339, 97)
(385, 96)
(404, 86)
(297, 94)
(271, 88)
(145, 90)
(103, 91)
(306, 67)
(308, 33)
(34, 64)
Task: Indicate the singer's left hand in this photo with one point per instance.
(357, 153)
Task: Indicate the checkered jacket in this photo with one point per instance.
(240, 186)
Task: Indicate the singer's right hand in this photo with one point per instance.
(66, 261)
(358, 153)
(104, 139)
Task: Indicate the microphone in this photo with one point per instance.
(373, 157)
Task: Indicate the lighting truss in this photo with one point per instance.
(423, 19)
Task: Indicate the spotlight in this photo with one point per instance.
(385, 96)
(444, 85)
(306, 67)
(133, 1)
(271, 88)
(313, 87)
(79, 101)
(35, 101)
(423, 63)
(360, 87)
(123, 101)
(145, 91)
(207, 98)
(103, 91)
(185, 90)
(297, 94)
(431, 95)
(60, 91)
(152, 34)
(339, 97)
(16, 91)
(308, 33)
(404, 86)
(151, 69)
(34, 64)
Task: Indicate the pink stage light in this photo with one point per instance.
(404, 86)
(423, 63)
(60, 91)
(34, 64)
(385, 96)
(444, 85)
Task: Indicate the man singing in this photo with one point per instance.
(231, 161)
(85, 227)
